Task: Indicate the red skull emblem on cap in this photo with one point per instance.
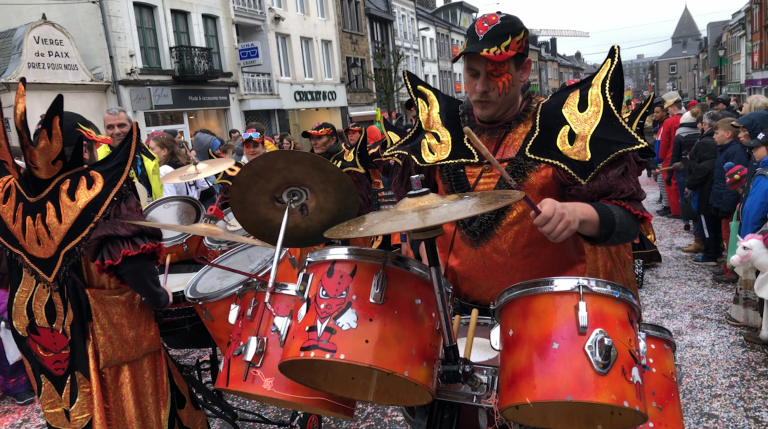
(485, 23)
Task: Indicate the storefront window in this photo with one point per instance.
(213, 120)
(160, 119)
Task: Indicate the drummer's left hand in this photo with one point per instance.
(558, 221)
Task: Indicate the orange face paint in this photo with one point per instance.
(498, 73)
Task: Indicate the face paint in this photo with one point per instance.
(498, 73)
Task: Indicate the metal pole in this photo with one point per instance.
(110, 51)
(450, 348)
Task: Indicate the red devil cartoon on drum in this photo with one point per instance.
(330, 303)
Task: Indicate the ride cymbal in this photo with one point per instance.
(422, 212)
(198, 170)
(202, 229)
(325, 197)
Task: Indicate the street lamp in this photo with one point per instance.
(695, 71)
(356, 69)
(721, 54)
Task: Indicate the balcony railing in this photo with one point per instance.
(257, 84)
(193, 63)
(255, 7)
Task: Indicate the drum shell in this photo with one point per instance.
(179, 210)
(265, 383)
(546, 378)
(392, 356)
(661, 384)
(186, 251)
(224, 245)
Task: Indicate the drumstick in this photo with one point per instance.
(487, 155)
(471, 333)
(167, 266)
(456, 325)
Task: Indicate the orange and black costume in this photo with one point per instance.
(89, 343)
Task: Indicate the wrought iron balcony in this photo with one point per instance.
(193, 63)
(257, 84)
(250, 7)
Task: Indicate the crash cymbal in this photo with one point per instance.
(203, 229)
(198, 170)
(259, 192)
(423, 212)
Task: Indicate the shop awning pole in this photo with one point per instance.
(110, 51)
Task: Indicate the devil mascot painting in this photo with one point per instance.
(83, 283)
(331, 302)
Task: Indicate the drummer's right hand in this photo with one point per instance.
(170, 296)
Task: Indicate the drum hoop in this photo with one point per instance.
(564, 284)
(182, 237)
(364, 254)
(237, 287)
(660, 332)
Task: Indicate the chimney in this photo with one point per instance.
(533, 40)
(640, 56)
(553, 46)
(429, 4)
(544, 46)
(578, 56)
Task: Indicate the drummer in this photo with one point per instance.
(588, 226)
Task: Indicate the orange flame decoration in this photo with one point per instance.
(42, 159)
(89, 134)
(5, 151)
(507, 49)
(37, 240)
(57, 409)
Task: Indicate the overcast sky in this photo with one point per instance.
(628, 23)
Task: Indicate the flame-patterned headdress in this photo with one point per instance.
(497, 37)
(48, 210)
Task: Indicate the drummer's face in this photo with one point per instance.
(320, 144)
(353, 137)
(252, 150)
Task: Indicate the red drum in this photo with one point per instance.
(368, 329)
(218, 292)
(567, 362)
(257, 377)
(181, 327)
(178, 210)
(661, 379)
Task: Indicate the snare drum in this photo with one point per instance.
(366, 328)
(229, 224)
(218, 292)
(261, 381)
(181, 327)
(557, 375)
(661, 379)
(177, 210)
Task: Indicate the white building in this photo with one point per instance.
(407, 40)
(459, 15)
(428, 35)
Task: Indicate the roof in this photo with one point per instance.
(676, 51)
(686, 27)
(7, 48)
(458, 4)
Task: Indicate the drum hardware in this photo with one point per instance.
(251, 306)
(304, 280)
(642, 347)
(601, 351)
(234, 309)
(253, 351)
(583, 317)
(207, 315)
(282, 323)
(379, 286)
(292, 260)
(496, 337)
(486, 379)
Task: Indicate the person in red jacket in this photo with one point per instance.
(674, 107)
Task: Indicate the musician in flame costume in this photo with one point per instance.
(573, 154)
(83, 284)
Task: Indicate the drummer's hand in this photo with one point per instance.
(558, 221)
(170, 296)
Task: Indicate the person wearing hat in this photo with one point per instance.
(354, 133)
(723, 105)
(687, 135)
(674, 106)
(755, 210)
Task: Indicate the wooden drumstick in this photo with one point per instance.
(456, 325)
(167, 266)
(487, 155)
(471, 333)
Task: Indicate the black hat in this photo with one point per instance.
(722, 98)
(354, 126)
(761, 140)
(496, 36)
(320, 129)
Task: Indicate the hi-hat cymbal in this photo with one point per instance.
(199, 170)
(422, 212)
(259, 193)
(203, 229)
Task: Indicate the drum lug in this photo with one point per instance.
(185, 247)
(679, 371)
(496, 338)
(643, 348)
(251, 306)
(282, 323)
(378, 288)
(234, 309)
(583, 316)
(254, 350)
(601, 351)
(304, 281)
(293, 261)
(207, 315)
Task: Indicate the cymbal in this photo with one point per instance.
(258, 195)
(199, 170)
(423, 212)
(203, 229)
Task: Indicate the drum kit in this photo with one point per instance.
(296, 331)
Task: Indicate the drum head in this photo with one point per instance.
(211, 284)
(177, 282)
(178, 210)
(229, 224)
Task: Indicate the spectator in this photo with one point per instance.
(674, 106)
(723, 105)
(171, 156)
(233, 134)
(691, 104)
(711, 100)
(686, 136)
(755, 103)
(755, 211)
(659, 117)
(206, 144)
(287, 142)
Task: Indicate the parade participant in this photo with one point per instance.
(81, 295)
(253, 145)
(171, 156)
(674, 107)
(355, 132)
(590, 212)
(145, 169)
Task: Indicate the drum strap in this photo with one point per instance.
(496, 148)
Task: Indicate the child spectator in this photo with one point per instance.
(755, 211)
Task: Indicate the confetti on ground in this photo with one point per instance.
(725, 379)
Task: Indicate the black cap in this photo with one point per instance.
(722, 98)
(496, 36)
(320, 129)
(761, 140)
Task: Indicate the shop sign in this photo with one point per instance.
(161, 96)
(309, 96)
(455, 50)
(457, 87)
(140, 99)
(734, 88)
(250, 54)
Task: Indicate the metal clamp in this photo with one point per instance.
(251, 306)
(482, 383)
(583, 316)
(185, 247)
(679, 371)
(601, 351)
(378, 287)
(207, 316)
(254, 350)
(642, 348)
(282, 323)
(303, 282)
(496, 337)
(234, 310)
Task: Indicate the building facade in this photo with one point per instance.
(673, 71)
(356, 61)
(636, 75)
(736, 68)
